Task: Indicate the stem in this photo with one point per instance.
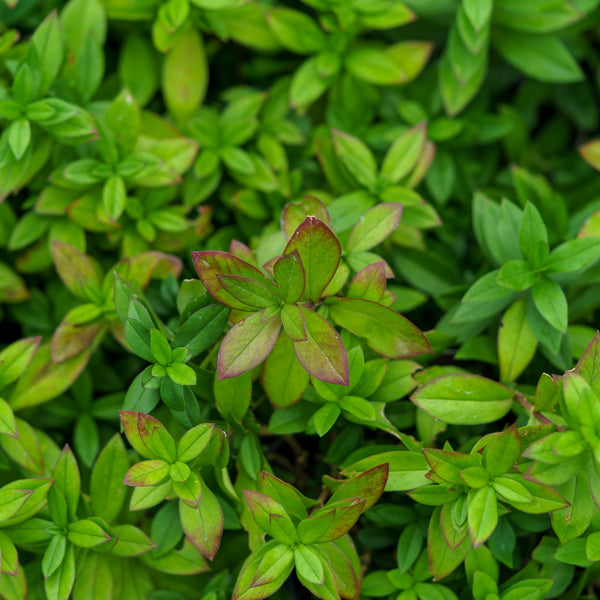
(539, 416)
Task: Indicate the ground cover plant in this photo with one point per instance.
(299, 299)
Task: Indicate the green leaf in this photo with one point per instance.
(375, 65)
(374, 227)
(308, 564)
(19, 137)
(319, 252)
(516, 342)
(194, 441)
(482, 514)
(49, 47)
(501, 451)
(404, 153)
(114, 197)
(88, 533)
(201, 329)
(478, 12)
(386, 331)
(67, 480)
(247, 344)
(106, 488)
(542, 57)
(516, 275)
(275, 565)
(146, 497)
(296, 31)
(15, 358)
(185, 75)
(290, 277)
(131, 541)
(124, 121)
(54, 554)
(181, 374)
(551, 303)
(58, 586)
(573, 255)
(160, 347)
(325, 418)
(322, 354)
(462, 399)
(545, 499)
(357, 157)
(233, 395)
(308, 83)
(283, 377)
(531, 230)
(570, 522)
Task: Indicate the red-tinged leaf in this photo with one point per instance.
(147, 472)
(367, 486)
(295, 212)
(203, 525)
(330, 525)
(374, 226)
(69, 340)
(44, 379)
(209, 264)
(15, 358)
(283, 377)
(588, 365)
(148, 436)
(386, 331)
(143, 267)
(369, 283)
(250, 294)
(322, 354)
(345, 566)
(443, 559)
(271, 517)
(247, 344)
(319, 252)
(294, 322)
(287, 495)
(242, 252)
(259, 576)
(79, 272)
(290, 277)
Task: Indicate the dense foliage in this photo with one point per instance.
(299, 299)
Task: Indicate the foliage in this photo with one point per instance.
(299, 299)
